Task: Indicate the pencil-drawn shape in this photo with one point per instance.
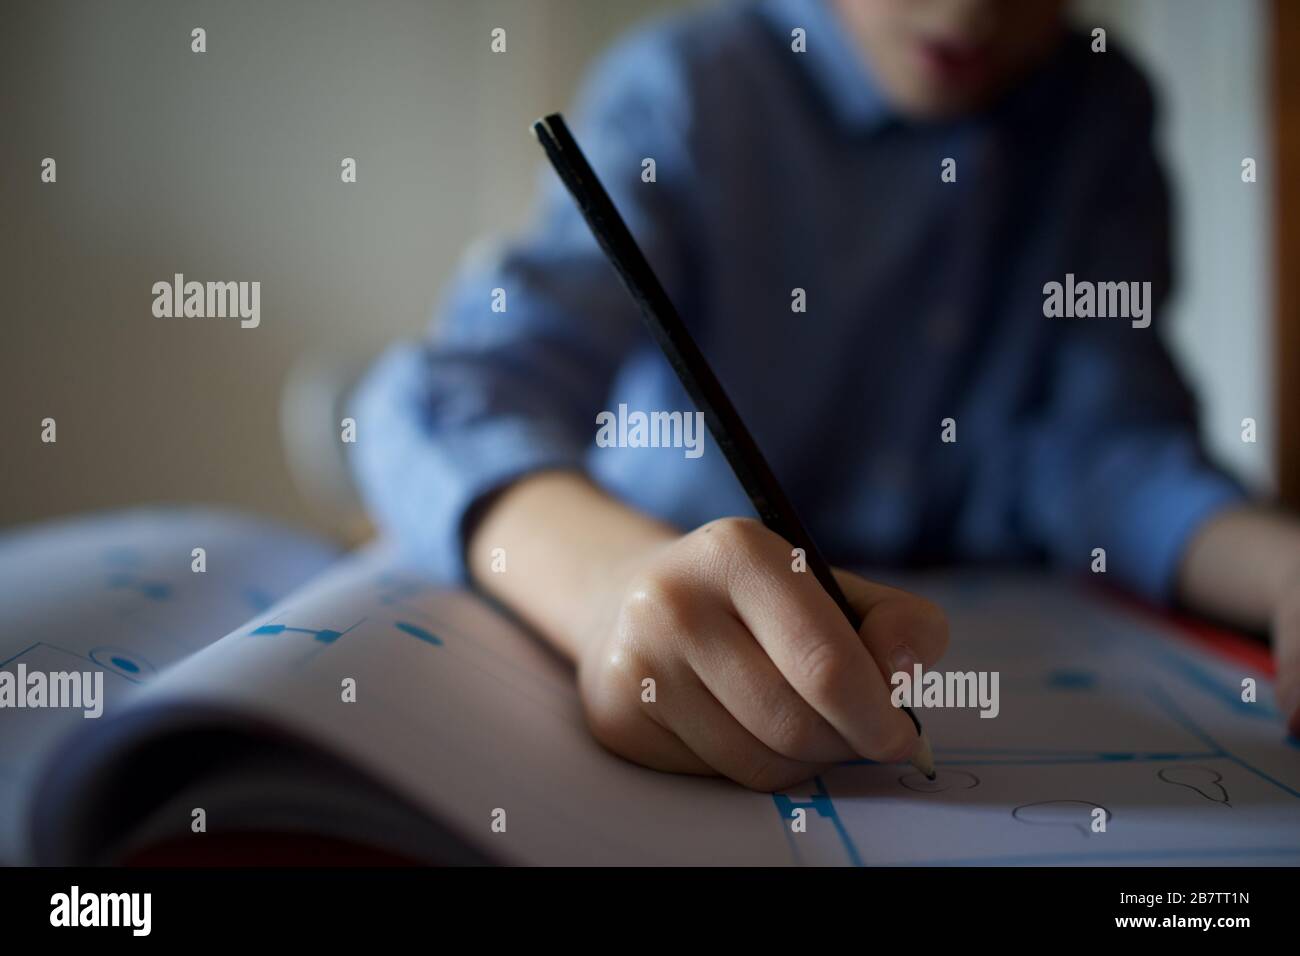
(943, 780)
(1206, 782)
(1077, 814)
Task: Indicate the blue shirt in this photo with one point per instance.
(777, 171)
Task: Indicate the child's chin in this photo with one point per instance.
(935, 92)
(927, 102)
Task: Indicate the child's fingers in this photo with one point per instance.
(701, 723)
(742, 678)
(632, 732)
(811, 643)
(1286, 652)
(659, 748)
(896, 623)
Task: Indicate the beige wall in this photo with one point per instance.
(1209, 61)
(225, 166)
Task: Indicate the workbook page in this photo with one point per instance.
(445, 701)
(1107, 742)
(1113, 744)
(93, 608)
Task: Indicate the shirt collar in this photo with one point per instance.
(832, 60)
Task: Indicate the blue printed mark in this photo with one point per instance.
(153, 590)
(1072, 680)
(325, 636)
(259, 600)
(416, 631)
(124, 663)
(1124, 856)
(821, 803)
(122, 557)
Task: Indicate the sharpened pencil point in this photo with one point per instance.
(923, 756)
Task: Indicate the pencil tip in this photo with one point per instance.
(923, 756)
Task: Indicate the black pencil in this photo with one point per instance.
(728, 430)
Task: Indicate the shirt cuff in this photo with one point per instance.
(420, 481)
(1147, 538)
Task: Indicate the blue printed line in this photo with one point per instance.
(121, 665)
(1027, 751)
(419, 632)
(1042, 859)
(1096, 758)
(6, 663)
(1198, 676)
(1015, 759)
(325, 636)
(825, 807)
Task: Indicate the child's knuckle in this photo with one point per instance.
(794, 733)
(725, 540)
(652, 600)
(817, 668)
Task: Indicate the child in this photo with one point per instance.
(856, 205)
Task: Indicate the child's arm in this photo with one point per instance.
(1243, 566)
(533, 333)
(757, 675)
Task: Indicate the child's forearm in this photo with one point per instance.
(1243, 566)
(565, 547)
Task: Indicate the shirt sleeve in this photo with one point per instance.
(1115, 461)
(497, 393)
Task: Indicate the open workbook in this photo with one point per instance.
(284, 687)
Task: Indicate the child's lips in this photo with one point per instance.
(953, 61)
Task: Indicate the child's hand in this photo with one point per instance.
(757, 674)
(1243, 566)
(1286, 652)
